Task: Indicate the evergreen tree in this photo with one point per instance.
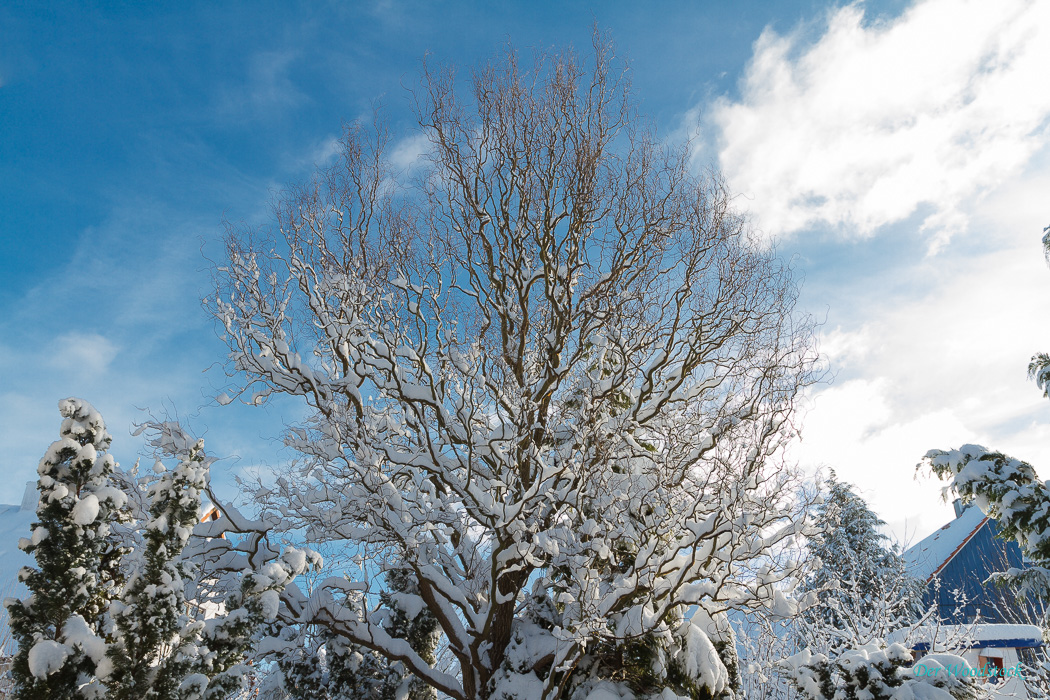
(150, 657)
(863, 591)
(409, 619)
(60, 653)
(103, 623)
(227, 642)
(162, 650)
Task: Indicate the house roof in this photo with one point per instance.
(961, 637)
(929, 556)
(15, 523)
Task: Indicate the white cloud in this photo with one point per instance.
(82, 352)
(878, 121)
(936, 370)
(854, 428)
(408, 152)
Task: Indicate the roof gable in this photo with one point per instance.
(928, 557)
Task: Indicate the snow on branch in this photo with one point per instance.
(556, 374)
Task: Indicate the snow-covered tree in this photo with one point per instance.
(320, 665)
(152, 630)
(1010, 491)
(110, 621)
(551, 379)
(60, 652)
(169, 647)
(863, 592)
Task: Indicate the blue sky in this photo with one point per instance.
(897, 151)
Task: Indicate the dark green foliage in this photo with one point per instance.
(420, 630)
(74, 552)
(324, 666)
(650, 663)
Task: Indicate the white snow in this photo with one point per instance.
(782, 605)
(77, 633)
(46, 657)
(980, 635)
(609, 691)
(86, 510)
(270, 601)
(702, 661)
(296, 558)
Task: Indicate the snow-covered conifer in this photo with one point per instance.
(61, 655)
(408, 618)
(862, 589)
(227, 640)
(105, 622)
(1010, 491)
(172, 648)
(150, 656)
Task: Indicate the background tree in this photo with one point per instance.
(551, 380)
(193, 647)
(320, 665)
(863, 590)
(149, 654)
(857, 593)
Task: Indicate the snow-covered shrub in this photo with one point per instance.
(876, 671)
(316, 664)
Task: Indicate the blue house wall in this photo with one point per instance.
(980, 557)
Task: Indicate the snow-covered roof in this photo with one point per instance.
(15, 522)
(977, 636)
(926, 558)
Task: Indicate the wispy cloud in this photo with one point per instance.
(934, 121)
(82, 352)
(407, 153)
(878, 121)
(116, 321)
(267, 88)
